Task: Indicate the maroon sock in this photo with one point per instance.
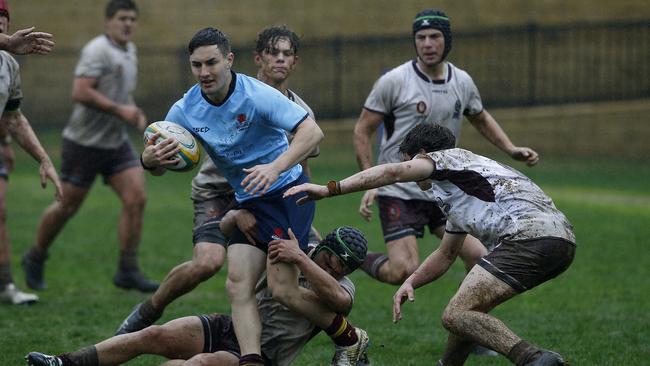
(251, 359)
(342, 332)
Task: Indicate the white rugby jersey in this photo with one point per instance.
(492, 201)
(407, 97)
(10, 86)
(116, 71)
(209, 183)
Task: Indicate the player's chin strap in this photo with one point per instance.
(337, 246)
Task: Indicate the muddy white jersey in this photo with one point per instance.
(492, 201)
(406, 97)
(209, 183)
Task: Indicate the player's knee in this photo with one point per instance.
(450, 317)
(236, 289)
(67, 209)
(135, 202)
(400, 273)
(204, 268)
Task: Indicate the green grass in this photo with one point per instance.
(594, 314)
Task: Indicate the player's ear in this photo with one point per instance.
(230, 58)
(258, 59)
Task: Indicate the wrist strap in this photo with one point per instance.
(334, 187)
(144, 166)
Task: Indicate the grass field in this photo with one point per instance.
(597, 313)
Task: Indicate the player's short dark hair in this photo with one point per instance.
(114, 6)
(269, 36)
(429, 137)
(209, 37)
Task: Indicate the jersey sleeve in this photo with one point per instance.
(348, 286)
(15, 94)
(91, 63)
(176, 115)
(279, 111)
(381, 97)
(474, 104)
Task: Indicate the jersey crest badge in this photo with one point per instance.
(421, 107)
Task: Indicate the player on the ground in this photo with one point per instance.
(276, 55)
(426, 89)
(210, 339)
(96, 141)
(14, 123)
(246, 123)
(529, 240)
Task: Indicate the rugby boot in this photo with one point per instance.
(41, 359)
(134, 279)
(548, 358)
(350, 355)
(34, 268)
(11, 295)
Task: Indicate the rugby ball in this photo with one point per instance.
(190, 153)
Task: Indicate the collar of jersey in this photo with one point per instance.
(231, 89)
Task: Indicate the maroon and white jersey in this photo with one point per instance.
(492, 201)
(406, 96)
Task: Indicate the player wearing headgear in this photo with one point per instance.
(426, 89)
(96, 142)
(14, 123)
(210, 340)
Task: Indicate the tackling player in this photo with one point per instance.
(210, 339)
(96, 142)
(529, 240)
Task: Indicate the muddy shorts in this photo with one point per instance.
(524, 264)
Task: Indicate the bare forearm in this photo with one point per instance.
(94, 99)
(326, 287)
(363, 149)
(431, 269)
(492, 131)
(307, 137)
(385, 174)
(25, 137)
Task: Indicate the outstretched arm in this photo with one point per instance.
(490, 128)
(27, 41)
(381, 175)
(23, 134)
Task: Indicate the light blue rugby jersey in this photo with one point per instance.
(247, 129)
